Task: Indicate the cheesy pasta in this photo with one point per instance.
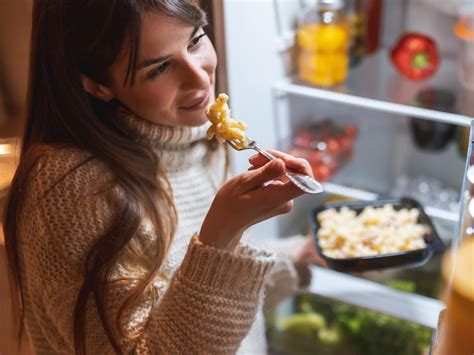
(223, 127)
(344, 234)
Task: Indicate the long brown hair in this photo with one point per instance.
(70, 38)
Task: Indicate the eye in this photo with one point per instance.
(158, 71)
(196, 40)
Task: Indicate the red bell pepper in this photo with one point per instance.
(415, 56)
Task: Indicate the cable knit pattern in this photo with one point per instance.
(207, 301)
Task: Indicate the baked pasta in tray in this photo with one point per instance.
(358, 236)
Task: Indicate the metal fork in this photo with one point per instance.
(303, 182)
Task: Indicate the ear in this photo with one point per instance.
(95, 89)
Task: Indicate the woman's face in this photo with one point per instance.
(175, 76)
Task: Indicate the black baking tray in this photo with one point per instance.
(409, 258)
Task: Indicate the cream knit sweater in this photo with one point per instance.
(208, 301)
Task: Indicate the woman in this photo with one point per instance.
(116, 237)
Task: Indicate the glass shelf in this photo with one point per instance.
(379, 163)
(355, 290)
(376, 85)
(311, 324)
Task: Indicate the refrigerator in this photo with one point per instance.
(255, 41)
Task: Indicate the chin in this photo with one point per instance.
(195, 121)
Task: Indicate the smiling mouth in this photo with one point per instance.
(198, 104)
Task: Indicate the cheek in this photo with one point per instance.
(149, 99)
(207, 58)
(211, 60)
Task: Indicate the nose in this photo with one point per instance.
(195, 75)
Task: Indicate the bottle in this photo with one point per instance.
(357, 20)
(323, 44)
(374, 14)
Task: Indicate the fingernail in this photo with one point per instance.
(253, 157)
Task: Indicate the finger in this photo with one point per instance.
(317, 260)
(284, 208)
(278, 194)
(282, 178)
(256, 178)
(300, 166)
(296, 165)
(275, 182)
(280, 154)
(292, 162)
(258, 159)
(261, 159)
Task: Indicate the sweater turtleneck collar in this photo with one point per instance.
(157, 134)
(178, 148)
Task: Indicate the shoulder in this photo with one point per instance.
(66, 171)
(68, 192)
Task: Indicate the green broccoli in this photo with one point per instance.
(306, 324)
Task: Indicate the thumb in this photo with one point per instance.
(256, 178)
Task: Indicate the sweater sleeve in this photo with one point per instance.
(206, 307)
(286, 278)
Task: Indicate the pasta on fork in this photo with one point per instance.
(223, 127)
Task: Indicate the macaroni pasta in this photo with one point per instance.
(374, 231)
(223, 127)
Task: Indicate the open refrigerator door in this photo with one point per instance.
(376, 135)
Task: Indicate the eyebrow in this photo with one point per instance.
(151, 61)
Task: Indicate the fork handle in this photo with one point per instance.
(270, 157)
(264, 153)
(303, 182)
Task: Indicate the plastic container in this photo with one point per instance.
(432, 135)
(323, 44)
(464, 29)
(325, 145)
(408, 258)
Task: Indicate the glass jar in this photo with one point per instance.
(464, 29)
(323, 44)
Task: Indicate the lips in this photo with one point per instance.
(197, 103)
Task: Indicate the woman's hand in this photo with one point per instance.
(295, 165)
(249, 198)
(306, 255)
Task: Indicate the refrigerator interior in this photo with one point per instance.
(259, 50)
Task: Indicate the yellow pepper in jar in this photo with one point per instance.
(323, 56)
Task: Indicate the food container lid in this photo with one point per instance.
(465, 27)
